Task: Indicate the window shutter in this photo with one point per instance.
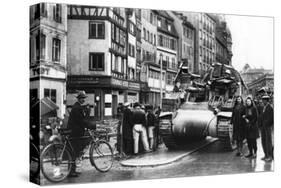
(54, 12)
(102, 30)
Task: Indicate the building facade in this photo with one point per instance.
(204, 54)
(250, 74)
(133, 68)
(186, 42)
(167, 50)
(223, 41)
(150, 69)
(266, 80)
(97, 57)
(207, 41)
(48, 31)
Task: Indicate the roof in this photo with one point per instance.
(164, 14)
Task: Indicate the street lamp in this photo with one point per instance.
(161, 68)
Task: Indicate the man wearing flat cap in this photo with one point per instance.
(77, 125)
(266, 129)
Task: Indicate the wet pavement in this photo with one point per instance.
(164, 156)
(210, 160)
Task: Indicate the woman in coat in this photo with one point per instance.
(238, 122)
(252, 132)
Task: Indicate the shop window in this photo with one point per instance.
(51, 93)
(97, 30)
(56, 49)
(96, 62)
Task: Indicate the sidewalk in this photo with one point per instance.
(164, 156)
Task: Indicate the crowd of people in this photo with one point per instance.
(249, 119)
(139, 128)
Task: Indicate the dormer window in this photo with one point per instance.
(159, 22)
(169, 27)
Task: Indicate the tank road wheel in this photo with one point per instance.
(229, 142)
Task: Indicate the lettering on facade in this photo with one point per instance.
(40, 71)
(134, 85)
(119, 83)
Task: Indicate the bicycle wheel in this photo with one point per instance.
(101, 156)
(34, 161)
(56, 162)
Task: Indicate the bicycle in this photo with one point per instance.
(33, 159)
(57, 158)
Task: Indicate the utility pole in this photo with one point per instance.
(161, 68)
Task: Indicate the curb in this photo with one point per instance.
(173, 159)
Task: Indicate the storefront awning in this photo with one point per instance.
(47, 106)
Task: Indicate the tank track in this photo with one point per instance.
(170, 142)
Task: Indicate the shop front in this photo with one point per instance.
(133, 94)
(104, 94)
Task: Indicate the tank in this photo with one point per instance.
(206, 110)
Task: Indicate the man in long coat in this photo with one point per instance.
(127, 130)
(77, 125)
(266, 129)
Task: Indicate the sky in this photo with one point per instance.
(253, 41)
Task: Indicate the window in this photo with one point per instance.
(56, 49)
(96, 61)
(160, 40)
(57, 13)
(173, 44)
(51, 93)
(151, 37)
(174, 66)
(169, 79)
(131, 50)
(122, 38)
(154, 39)
(40, 46)
(40, 10)
(159, 22)
(169, 27)
(96, 30)
(151, 18)
(144, 33)
(148, 36)
(132, 28)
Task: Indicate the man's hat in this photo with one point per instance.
(127, 104)
(81, 94)
(262, 90)
(137, 105)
